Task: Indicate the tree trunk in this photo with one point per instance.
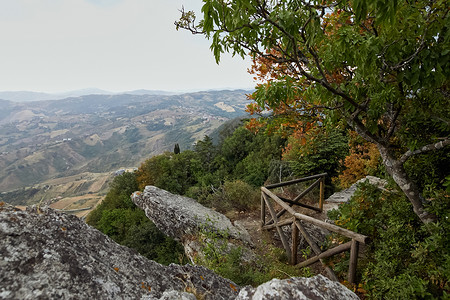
(395, 168)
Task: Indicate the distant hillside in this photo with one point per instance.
(101, 133)
(27, 96)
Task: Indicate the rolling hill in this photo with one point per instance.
(41, 141)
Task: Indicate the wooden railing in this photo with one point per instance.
(294, 218)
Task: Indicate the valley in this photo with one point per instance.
(66, 151)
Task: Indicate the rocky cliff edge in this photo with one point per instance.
(46, 254)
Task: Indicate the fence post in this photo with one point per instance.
(353, 261)
(322, 192)
(294, 243)
(278, 227)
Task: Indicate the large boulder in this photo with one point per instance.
(344, 196)
(182, 217)
(317, 287)
(46, 254)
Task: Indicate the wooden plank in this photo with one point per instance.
(298, 198)
(280, 231)
(275, 185)
(289, 201)
(345, 232)
(294, 244)
(353, 261)
(278, 200)
(308, 189)
(315, 249)
(326, 254)
(280, 223)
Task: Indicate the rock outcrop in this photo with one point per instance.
(50, 255)
(317, 287)
(344, 196)
(178, 216)
(46, 254)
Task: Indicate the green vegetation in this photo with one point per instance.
(232, 262)
(126, 224)
(214, 175)
(376, 69)
(323, 153)
(380, 67)
(406, 259)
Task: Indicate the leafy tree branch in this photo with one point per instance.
(383, 64)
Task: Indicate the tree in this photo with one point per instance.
(176, 149)
(207, 152)
(382, 67)
(118, 197)
(322, 154)
(174, 173)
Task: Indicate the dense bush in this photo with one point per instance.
(317, 151)
(120, 219)
(230, 262)
(322, 152)
(405, 259)
(172, 172)
(429, 169)
(118, 197)
(363, 159)
(231, 195)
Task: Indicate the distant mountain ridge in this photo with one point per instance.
(27, 96)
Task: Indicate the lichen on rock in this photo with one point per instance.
(46, 254)
(178, 216)
(298, 288)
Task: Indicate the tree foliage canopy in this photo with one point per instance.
(382, 67)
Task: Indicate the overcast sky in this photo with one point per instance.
(115, 45)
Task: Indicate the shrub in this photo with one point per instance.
(232, 195)
(316, 151)
(406, 259)
(120, 219)
(363, 159)
(241, 195)
(228, 261)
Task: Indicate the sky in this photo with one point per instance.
(114, 45)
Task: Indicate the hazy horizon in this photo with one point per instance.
(134, 90)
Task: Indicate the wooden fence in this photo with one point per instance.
(294, 218)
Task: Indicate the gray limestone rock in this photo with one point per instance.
(179, 216)
(298, 288)
(345, 195)
(46, 254)
(172, 295)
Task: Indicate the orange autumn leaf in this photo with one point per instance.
(233, 287)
